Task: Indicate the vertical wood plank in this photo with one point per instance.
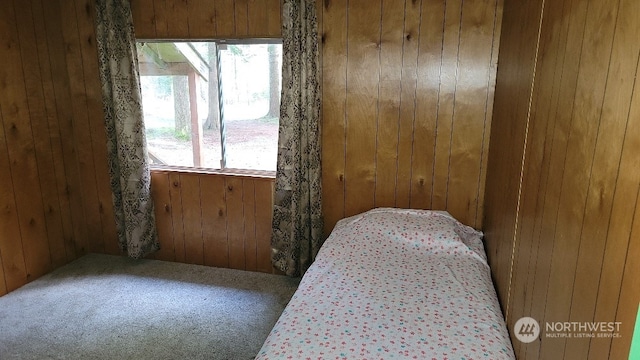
(614, 123)
(242, 17)
(160, 193)
(177, 220)
(235, 222)
(14, 269)
(450, 67)
(476, 40)
(407, 124)
(536, 172)
(22, 151)
(391, 40)
(629, 294)
(429, 68)
(225, 18)
(497, 30)
(258, 16)
(623, 223)
(71, 187)
(178, 20)
(81, 127)
(45, 60)
(264, 206)
(597, 42)
(93, 89)
(249, 205)
(562, 118)
(192, 218)
(517, 51)
(39, 125)
(3, 284)
(363, 72)
(144, 18)
(162, 14)
(334, 89)
(274, 17)
(214, 221)
(202, 19)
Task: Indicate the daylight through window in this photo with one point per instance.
(211, 104)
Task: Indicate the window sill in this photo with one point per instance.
(262, 174)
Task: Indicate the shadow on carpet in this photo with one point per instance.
(110, 307)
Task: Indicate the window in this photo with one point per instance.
(211, 104)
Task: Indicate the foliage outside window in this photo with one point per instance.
(212, 104)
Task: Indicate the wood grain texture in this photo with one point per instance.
(82, 125)
(334, 92)
(41, 218)
(85, 13)
(214, 221)
(408, 88)
(363, 71)
(175, 193)
(13, 260)
(390, 80)
(445, 107)
(144, 13)
(202, 19)
(242, 17)
(249, 216)
(470, 118)
(514, 76)
(274, 18)
(58, 208)
(63, 131)
(235, 227)
(264, 214)
(160, 192)
(225, 18)
(22, 149)
(579, 196)
(391, 40)
(33, 79)
(192, 218)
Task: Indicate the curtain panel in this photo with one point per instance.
(127, 149)
(297, 214)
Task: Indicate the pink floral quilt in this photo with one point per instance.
(394, 284)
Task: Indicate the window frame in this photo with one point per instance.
(223, 170)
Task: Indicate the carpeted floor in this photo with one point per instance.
(109, 307)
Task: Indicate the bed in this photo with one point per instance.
(394, 284)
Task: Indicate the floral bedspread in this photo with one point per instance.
(394, 284)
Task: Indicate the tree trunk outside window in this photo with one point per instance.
(274, 82)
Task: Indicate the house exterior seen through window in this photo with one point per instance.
(211, 104)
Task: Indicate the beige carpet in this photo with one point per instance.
(108, 307)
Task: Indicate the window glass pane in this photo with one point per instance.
(179, 83)
(251, 91)
(172, 76)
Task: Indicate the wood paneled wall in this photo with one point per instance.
(564, 244)
(407, 99)
(43, 217)
(214, 220)
(206, 19)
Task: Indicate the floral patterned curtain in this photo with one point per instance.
(297, 213)
(126, 142)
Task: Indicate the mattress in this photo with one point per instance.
(394, 284)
